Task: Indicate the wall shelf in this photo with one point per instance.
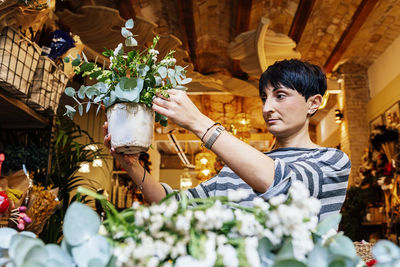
(15, 114)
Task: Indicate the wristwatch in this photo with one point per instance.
(214, 136)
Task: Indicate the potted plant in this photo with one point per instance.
(126, 89)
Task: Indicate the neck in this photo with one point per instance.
(300, 139)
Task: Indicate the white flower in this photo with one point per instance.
(237, 195)
(182, 223)
(102, 231)
(277, 200)
(178, 249)
(298, 191)
(261, 203)
(153, 52)
(302, 247)
(251, 244)
(153, 262)
(229, 256)
(313, 205)
(118, 49)
(271, 237)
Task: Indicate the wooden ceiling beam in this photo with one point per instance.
(126, 9)
(185, 8)
(358, 19)
(300, 19)
(242, 25)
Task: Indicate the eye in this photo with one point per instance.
(280, 96)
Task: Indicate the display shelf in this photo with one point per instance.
(16, 114)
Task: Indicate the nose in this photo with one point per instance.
(267, 106)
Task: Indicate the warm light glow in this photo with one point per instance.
(91, 147)
(84, 167)
(97, 162)
(206, 172)
(186, 183)
(338, 116)
(204, 160)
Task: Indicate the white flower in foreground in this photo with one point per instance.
(277, 200)
(261, 203)
(209, 260)
(153, 52)
(153, 262)
(301, 247)
(182, 223)
(229, 256)
(237, 195)
(298, 191)
(251, 244)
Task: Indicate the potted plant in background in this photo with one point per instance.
(126, 89)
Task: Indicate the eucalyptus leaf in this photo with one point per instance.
(69, 91)
(20, 245)
(66, 60)
(5, 237)
(162, 71)
(92, 91)
(186, 81)
(81, 92)
(130, 84)
(88, 106)
(289, 263)
(385, 251)
(180, 87)
(264, 251)
(343, 246)
(129, 24)
(37, 255)
(286, 252)
(330, 222)
(80, 109)
(102, 87)
(130, 41)
(84, 57)
(125, 33)
(80, 224)
(96, 248)
(98, 109)
(69, 108)
(318, 257)
(113, 97)
(54, 252)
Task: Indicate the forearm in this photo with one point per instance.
(253, 166)
(152, 190)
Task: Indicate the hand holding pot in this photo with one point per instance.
(126, 160)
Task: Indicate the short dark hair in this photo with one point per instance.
(306, 78)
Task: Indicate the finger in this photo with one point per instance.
(175, 91)
(105, 128)
(161, 102)
(161, 110)
(107, 141)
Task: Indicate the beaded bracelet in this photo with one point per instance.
(216, 123)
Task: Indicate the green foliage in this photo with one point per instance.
(133, 76)
(353, 211)
(67, 155)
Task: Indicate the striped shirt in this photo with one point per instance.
(323, 170)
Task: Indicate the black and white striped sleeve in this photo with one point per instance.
(326, 166)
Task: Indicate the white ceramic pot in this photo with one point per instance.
(131, 126)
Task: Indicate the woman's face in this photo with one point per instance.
(285, 111)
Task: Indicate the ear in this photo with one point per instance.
(313, 103)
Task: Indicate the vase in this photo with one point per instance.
(131, 126)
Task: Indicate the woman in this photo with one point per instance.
(291, 92)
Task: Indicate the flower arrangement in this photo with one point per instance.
(197, 232)
(132, 76)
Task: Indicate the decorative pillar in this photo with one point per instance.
(353, 103)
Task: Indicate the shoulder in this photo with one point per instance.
(332, 158)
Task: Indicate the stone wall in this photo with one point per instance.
(354, 136)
